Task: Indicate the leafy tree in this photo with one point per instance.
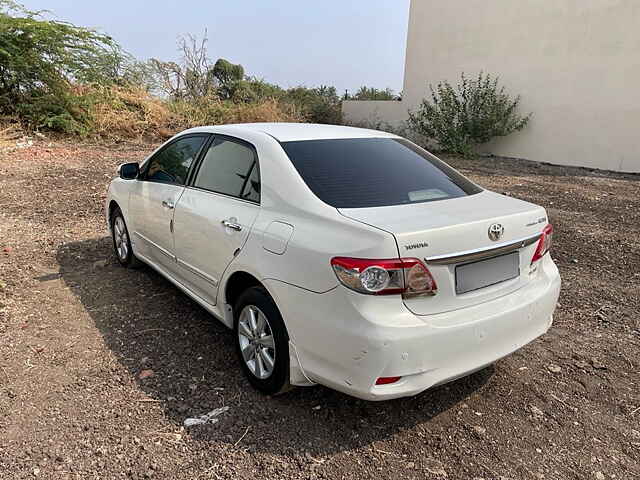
(471, 113)
(229, 77)
(41, 59)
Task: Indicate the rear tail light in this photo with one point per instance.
(407, 276)
(544, 244)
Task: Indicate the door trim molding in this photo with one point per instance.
(156, 246)
(196, 271)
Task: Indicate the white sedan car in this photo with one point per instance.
(339, 256)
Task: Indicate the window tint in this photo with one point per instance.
(373, 172)
(172, 164)
(228, 168)
(252, 187)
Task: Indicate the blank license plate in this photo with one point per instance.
(473, 276)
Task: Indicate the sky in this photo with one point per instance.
(345, 43)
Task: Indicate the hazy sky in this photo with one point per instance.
(346, 43)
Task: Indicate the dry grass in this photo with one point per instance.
(126, 113)
(10, 132)
(121, 113)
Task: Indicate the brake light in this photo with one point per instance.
(544, 244)
(407, 276)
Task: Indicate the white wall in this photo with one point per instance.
(576, 64)
(372, 112)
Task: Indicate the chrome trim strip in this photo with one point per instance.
(482, 253)
(156, 246)
(198, 272)
(233, 197)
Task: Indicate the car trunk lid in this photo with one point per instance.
(454, 233)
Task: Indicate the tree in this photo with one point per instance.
(193, 78)
(41, 59)
(372, 93)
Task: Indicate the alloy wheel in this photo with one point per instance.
(256, 342)
(121, 238)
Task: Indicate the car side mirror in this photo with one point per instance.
(129, 171)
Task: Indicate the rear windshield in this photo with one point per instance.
(374, 172)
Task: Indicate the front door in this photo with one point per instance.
(215, 214)
(153, 200)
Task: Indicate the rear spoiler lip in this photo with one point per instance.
(482, 253)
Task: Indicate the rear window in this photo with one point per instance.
(374, 172)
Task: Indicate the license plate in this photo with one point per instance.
(484, 273)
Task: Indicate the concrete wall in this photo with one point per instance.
(576, 64)
(372, 113)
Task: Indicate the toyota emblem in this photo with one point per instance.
(496, 231)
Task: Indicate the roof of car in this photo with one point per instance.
(289, 132)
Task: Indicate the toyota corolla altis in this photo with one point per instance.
(339, 256)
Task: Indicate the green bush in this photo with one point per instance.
(462, 117)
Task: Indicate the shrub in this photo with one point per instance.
(472, 113)
(317, 105)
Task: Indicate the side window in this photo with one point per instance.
(251, 189)
(171, 165)
(231, 168)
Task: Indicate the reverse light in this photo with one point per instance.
(407, 276)
(544, 244)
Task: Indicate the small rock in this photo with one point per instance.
(536, 411)
(146, 374)
(597, 364)
(411, 465)
(36, 472)
(554, 368)
(317, 407)
(574, 260)
(100, 264)
(599, 476)
(479, 430)
(581, 364)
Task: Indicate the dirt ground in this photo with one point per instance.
(100, 366)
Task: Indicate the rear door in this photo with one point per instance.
(153, 199)
(215, 214)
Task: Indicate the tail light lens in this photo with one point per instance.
(407, 276)
(544, 244)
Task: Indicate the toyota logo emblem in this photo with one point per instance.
(496, 231)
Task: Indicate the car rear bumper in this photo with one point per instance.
(346, 341)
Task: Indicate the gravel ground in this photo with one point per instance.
(100, 366)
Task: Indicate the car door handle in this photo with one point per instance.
(233, 226)
(168, 204)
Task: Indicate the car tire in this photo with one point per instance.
(262, 349)
(122, 242)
